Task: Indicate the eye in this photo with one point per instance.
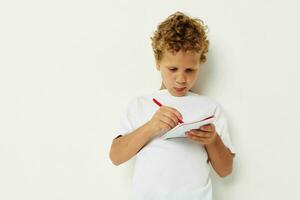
(189, 70)
(172, 69)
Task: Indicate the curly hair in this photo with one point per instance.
(180, 32)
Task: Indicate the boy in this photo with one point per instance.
(176, 168)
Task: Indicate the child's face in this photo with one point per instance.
(179, 72)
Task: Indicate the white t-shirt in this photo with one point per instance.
(177, 168)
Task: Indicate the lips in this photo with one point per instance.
(180, 89)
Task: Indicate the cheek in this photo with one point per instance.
(192, 77)
(167, 77)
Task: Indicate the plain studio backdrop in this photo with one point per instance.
(68, 69)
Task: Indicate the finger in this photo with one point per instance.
(164, 118)
(197, 139)
(166, 127)
(201, 134)
(176, 112)
(171, 116)
(208, 128)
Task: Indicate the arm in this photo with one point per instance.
(125, 147)
(220, 157)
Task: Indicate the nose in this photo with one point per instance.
(181, 79)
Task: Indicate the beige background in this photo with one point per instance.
(68, 68)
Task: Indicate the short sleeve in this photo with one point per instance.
(127, 121)
(222, 128)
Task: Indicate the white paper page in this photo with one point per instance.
(179, 130)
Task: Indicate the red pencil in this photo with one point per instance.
(159, 104)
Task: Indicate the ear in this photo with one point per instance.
(157, 65)
(201, 62)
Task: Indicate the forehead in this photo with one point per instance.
(181, 58)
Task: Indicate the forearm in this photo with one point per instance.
(220, 157)
(125, 147)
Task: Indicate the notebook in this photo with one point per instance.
(180, 129)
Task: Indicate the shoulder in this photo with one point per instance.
(138, 101)
(143, 98)
(132, 103)
(204, 98)
(209, 101)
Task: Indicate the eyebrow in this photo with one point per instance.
(185, 67)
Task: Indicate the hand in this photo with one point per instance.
(164, 119)
(205, 135)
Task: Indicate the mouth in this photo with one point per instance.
(180, 89)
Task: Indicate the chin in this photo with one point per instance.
(179, 93)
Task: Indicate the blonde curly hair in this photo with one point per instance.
(180, 32)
